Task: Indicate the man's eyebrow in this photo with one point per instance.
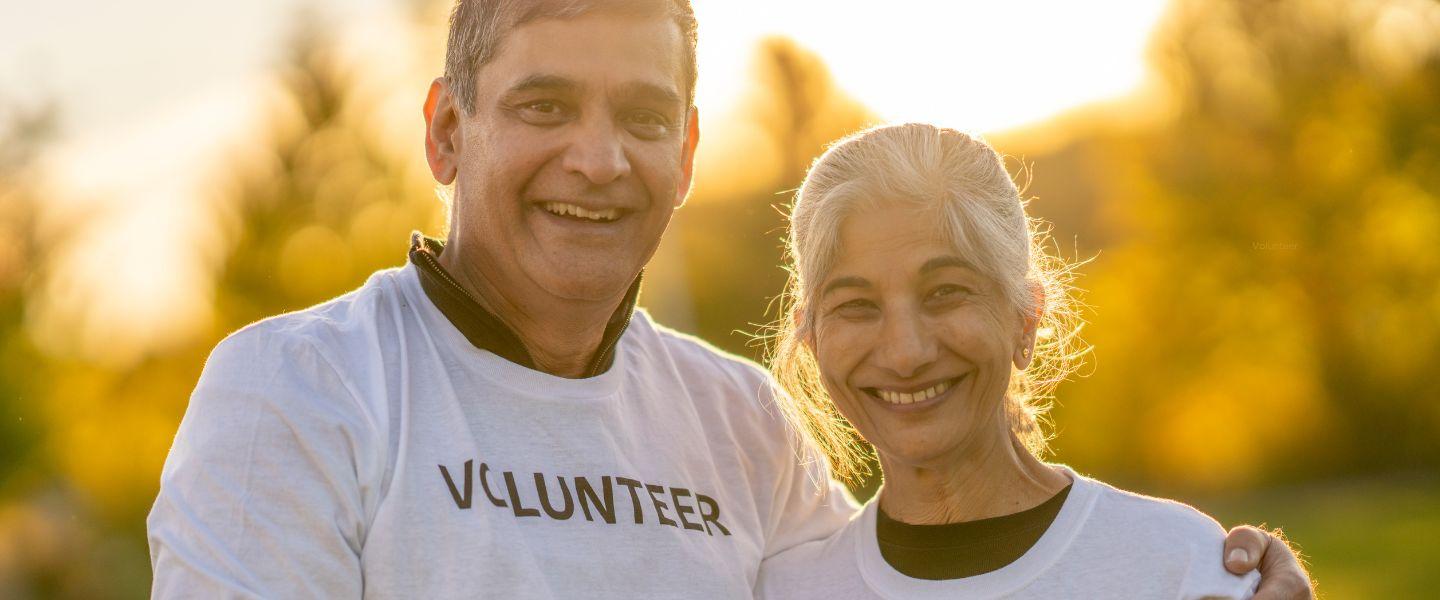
(554, 83)
(844, 282)
(941, 262)
(641, 90)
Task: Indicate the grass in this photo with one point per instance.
(1377, 538)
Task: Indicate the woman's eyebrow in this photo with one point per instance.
(844, 282)
(941, 262)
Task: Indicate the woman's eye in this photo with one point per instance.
(854, 307)
(946, 292)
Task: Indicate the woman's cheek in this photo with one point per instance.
(974, 332)
(839, 346)
(839, 349)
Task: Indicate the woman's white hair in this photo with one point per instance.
(976, 207)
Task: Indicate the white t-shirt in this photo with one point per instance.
(364, 447)
(1104, 543)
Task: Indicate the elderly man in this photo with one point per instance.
(496, 419)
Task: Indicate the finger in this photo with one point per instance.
(1282, 576)
(1244, 547)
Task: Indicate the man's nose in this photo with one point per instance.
(597, 151)
(906, 346)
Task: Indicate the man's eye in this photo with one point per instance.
(647, 124)
(542, 112)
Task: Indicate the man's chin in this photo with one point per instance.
(578, 284)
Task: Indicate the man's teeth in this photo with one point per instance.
(920, 396)
(570, 210)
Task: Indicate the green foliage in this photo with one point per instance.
(329, 204)
(22, 368)
(318, 203)
(1267, 296)
(1367, 538)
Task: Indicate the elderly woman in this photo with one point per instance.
(925, 312)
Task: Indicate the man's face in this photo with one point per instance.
(575, 157)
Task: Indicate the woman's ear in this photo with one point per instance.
(800, 318)
(1029, 322)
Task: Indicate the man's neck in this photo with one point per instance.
(998, 478)
(562, 336)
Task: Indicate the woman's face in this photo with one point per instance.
(914, 344)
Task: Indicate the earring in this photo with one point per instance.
(1025, 352)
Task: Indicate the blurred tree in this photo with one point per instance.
(329, 204)
(1271, 306)
(733, 242)
(45, 529)
(313, 206)
(23, 134)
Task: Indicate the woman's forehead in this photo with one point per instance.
(892, 232)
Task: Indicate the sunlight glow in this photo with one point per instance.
(974, 66)
(970, 65)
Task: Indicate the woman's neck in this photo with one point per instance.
(999, 478)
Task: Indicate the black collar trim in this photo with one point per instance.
(484, 329)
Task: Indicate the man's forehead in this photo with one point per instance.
(638, 56)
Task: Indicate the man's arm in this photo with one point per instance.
(1282, 577)
(807, 504)
(260, 495)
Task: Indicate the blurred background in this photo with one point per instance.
(1256, 185)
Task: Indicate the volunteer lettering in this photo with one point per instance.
(666, 505)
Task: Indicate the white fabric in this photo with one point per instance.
(1104, 543)
(353, 449)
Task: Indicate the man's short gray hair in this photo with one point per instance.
(478, 26)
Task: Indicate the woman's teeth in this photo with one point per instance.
(570, 210)
(920, 396)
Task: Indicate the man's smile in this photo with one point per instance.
(580, 213)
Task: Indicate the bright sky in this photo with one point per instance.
(979, 66)
(153, 91)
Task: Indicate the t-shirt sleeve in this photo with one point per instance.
(262, 494)
(1206, 577)
(808, 504)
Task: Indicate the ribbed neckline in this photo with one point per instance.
(520, 380)
(955, 550)
(967, 533)
(887, 582)
(486, 330)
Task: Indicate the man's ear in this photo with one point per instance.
(687, 157)
(442, 132)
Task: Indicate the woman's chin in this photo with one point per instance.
(917, 454)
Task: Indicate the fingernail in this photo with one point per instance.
(1239, 555)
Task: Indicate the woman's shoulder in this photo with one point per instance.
(1160, 518)
(1159, 535)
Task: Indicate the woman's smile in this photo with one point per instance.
(911, 398)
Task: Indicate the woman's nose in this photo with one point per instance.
(906, 346)
(597, 152)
